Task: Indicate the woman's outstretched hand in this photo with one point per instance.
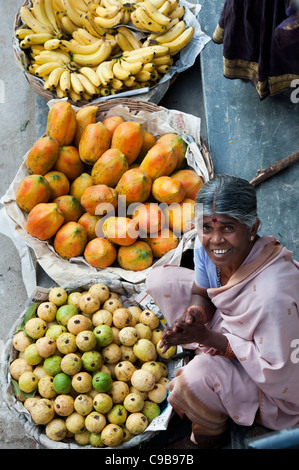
(188, 328)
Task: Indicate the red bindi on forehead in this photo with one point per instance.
(214, 220)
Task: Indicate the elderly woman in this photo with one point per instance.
(238, 310)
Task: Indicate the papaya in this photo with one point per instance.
(70, 240)
(58, 182)
(179, 146)
(100, 253)
(168, 190)
(148, 142)
(84, 116)
(32, 190)
(95, 140)
(160, 160)
(135, 184)
(89, 222)
(149, 217)
(111, 122)
(42, 156)
(165, 241)
(128, 138)
(180, 217)
(44, 220)
(61, 123)
(69, 162)
(109, 168)
(70, 207)
(99, 199)
(191, 181)
(135, 257)
(120, 230)
(79, 185)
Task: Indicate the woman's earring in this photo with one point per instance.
(252, 238)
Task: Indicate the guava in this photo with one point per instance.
(71, 364)
(102, 317)
(88, 303)
(158, 393)
(82, 382)
(156, 336)
(18, 367)
(83, 404)
(95, 440)
(143, 331)
(66, 343)
(62, 383)
(154, 368)
(73, 299)
(102, 403)
(42, 411)
(112, 304)
(63, 404)
(118, 391)
(133, 402)
(145, 350)
(92, 361)
(151, 410)
(64, 313)
(124, 370)
(149, 318)
(31, 355)
(56, 430)
(28, 382)
(21, 341)
(103, 334)
(101, 291)
(79, 323)
(168, 354)
(75, 422)
(122, 317)
(102, 381)
(58, 296)
(86, 340)
(143, 380)
(82, 438)
(46, 388)
(112, 435)
(45, 346)
(35, 327)
(54, 331)
(128, 336)
(52, 365)
(137, 423)
(111, 353)
(47, 311)
(117, 415)
(95, 421)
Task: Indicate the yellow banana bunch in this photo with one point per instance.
(94, 59)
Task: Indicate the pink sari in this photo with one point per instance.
(258, 312)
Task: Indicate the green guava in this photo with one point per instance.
(104, 335)
(92, 361)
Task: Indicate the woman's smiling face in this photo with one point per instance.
(226, 241)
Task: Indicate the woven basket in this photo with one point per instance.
(37, 84)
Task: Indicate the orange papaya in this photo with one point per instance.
(69, 162)
(109, 168)
(61, 123)
(128, 138)
(160, 160)
(70, 240)
(42, 156)
(95, 140)
(84, 116)
(44, 220)
(32, 190)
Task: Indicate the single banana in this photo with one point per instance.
(133, 68)
(163, 68)
(92, 76)
(71, 12)
(126, 16)
(38, 38)
(181, 41)
(21, 33)
(117, 84)
(50, 12)
(108, 22)
(54, 77)
(67, 25)
(76, 84)
(32, 22)
(32, 68)
(36, 49)
(24, 44)
(173, 5)
(107, 70)
(84, 37)
(107, 12)
(105, 91)
(46, 84)
(99, 30)
(178, 12)
(81, 49)
(38, 10)
(45, 69)
(163, 60)
(149, 67)
(60, 93)
(52, 44)
(75, 97)
(147, 23)
(65, 80)
(165, 8)
(130, 37)
(88, 86)
(142, 56)
(123, 43)
(155, 14)
(57, 54)
(91, 60)
(87, 24)
(87, 97)
(157, 49)
(172, 33)
(143, 76)
(119, 72)
(130, 81)
(155, 75)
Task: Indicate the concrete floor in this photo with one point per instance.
(261, 132)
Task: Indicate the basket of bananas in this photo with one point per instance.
(85, 50)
